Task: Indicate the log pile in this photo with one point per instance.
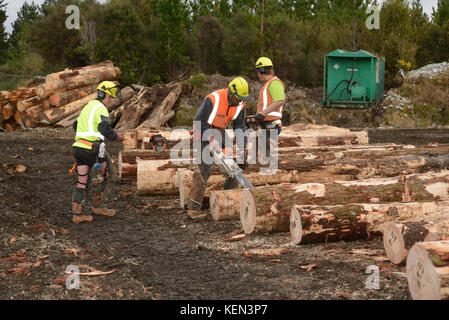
(60, 99)
(152, 107)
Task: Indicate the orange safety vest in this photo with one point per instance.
(265, 100)
(223, 113)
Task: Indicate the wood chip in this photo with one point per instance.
(265, 252)
(308, 267)
(237, 237)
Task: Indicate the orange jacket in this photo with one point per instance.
(222, 113)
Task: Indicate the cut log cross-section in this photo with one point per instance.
(427, 270)
(27, 103)
(224, 205)
(399, 237)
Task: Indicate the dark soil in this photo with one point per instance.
(154, 251)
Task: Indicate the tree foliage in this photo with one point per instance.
(161, 40)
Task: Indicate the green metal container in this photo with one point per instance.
(353, 79)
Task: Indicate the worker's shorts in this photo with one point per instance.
(84, 157)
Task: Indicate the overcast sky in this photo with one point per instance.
(14, 6)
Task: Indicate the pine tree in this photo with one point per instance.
(26, 16)
(3, 34)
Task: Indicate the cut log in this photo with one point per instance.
(22, 94)
(25, 104)
(151, 180)
(163, 112)
(427, 270)
(390, 166)
(126, 94)
(320, 224)
(46, 89)
(76, 71)
(54, 115)
(9, 110)
(268, 208)
(399, 237)
(217, 182)
(224, 205)
(62, 98)
(127, 160)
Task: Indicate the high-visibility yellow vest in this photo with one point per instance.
(87, 123)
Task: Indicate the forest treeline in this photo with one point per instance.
(162, 40)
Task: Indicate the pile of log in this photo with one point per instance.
(152, 107)
(59, 100)
(325, 190)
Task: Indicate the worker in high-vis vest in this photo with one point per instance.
(271, 101)
(92, 127)
(217, 110)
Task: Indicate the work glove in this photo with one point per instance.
(120, 137)
(259, 117)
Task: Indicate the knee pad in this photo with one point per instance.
(78, 195)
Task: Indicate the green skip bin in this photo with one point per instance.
(352, 79)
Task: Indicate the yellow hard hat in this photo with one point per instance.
(263, 62)
(239, 87)
(108, 87)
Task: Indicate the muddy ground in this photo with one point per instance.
(152, 249)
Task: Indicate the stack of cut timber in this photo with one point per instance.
(60, 98)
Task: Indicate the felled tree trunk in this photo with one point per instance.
(397, 165)
(399, 237)
(427, 270)
(52, 116)
(27, 103)
(216, 182)
(46, 89)
(61, 98)
(268, 208)
(320, 224)
(77, 71)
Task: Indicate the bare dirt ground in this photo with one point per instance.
(154, 251)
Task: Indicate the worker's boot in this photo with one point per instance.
(196, 214)
(77, 208)
(99, 207)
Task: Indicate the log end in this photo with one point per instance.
(394, 243)
(119, 164)
(181, 189)
(214, 206)
(423, 281)
(295, 226)
(248, 211)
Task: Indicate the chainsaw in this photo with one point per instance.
(229, 167)
(159, 142)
